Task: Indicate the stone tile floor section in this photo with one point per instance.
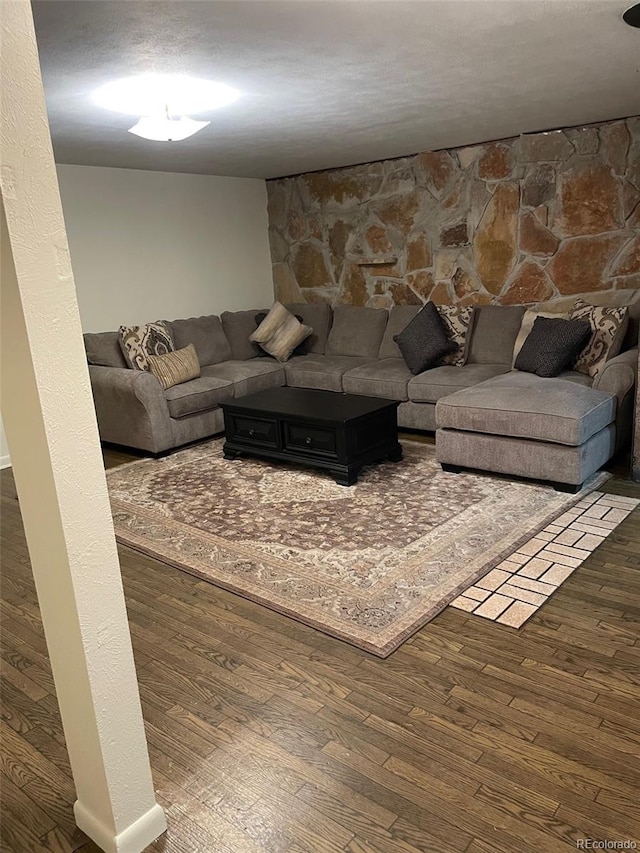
(513, 591)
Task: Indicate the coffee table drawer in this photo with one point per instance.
(250, 430)
(305, 437)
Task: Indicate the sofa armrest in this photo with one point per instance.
(131, 408)
(619, 375)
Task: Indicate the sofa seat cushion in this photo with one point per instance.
(524, 405)
(248, 376)
(385, 378)
(323, 372)
(574, 376)
(197, 395)
(438, 382)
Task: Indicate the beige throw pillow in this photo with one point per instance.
(280, 332)
(528, 320)
(609, 326)
(173, 368)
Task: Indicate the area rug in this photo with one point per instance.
(369, 564)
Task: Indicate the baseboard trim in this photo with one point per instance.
(134, 839)
(5, 462)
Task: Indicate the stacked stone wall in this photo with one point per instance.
(538, 219)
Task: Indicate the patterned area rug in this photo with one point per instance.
(369, 564)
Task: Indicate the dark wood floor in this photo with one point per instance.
(266, 735)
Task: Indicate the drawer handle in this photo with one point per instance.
(252, 432)
(307, 440)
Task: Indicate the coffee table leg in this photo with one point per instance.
(395, 455)
(345, 477)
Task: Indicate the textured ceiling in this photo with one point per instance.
(335, 82)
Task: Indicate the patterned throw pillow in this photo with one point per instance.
(139, 342)
(280, 332)
(174, 368)
(608, 327)
(425, 341)
(552, 345)
(457, 322)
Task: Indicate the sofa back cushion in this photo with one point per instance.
(238, 325)
(356, 331)
(103, 349)
(399, 318)
(494, 329)
(318, 316)
(206, 335)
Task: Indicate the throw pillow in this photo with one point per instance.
(527, 324)
(608, 328)
(457, 322)
(424, 341)
(139, 342)
(280, 332)
(552, 345)
(175, 367)
(301, 349)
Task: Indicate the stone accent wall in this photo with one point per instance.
(542, 218)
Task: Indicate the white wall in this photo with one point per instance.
(4, 449)
(157, 245)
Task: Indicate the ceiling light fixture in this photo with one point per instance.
(632, 16)
(165, 102)
(167, 129)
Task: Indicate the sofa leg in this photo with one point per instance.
(450, 469)
(567, 487)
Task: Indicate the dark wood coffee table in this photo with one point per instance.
(323, 429)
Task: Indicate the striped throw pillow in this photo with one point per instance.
(280, 332)
(175, 367)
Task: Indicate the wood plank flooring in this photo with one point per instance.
(266, 735)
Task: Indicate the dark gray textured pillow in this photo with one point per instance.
(552, 345)
(424, 341)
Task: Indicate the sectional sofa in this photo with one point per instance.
(352, 350)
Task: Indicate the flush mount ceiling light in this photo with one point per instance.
(165, 102)
(167, 129)
(632, 16)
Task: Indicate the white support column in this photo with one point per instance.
(52, 434)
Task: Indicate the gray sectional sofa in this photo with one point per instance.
(352, 350)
